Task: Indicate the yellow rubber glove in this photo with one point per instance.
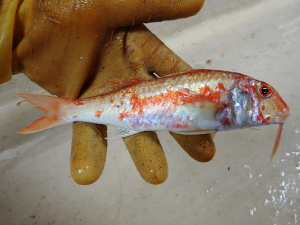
(72, 48)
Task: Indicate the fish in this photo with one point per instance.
(193, 102)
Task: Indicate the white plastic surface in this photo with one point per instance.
(239, 186)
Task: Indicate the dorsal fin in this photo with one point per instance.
(117, 84)
(114, 85)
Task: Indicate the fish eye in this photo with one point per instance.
(265, 90)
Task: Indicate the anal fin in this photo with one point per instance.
(117, 132)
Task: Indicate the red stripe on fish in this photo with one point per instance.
(167, 101)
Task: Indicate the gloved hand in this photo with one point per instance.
(73, 48)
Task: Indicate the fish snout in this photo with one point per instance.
(282, 112)
(285, 113)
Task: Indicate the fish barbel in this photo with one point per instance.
(192, 102)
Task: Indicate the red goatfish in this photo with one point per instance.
(192, 102)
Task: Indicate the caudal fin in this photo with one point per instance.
(52, 117)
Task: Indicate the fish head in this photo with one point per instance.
(267, 106)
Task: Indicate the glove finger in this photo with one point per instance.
(146, 151)
(138, 12)
(88, 153)
(199, 147)
(148, 156)
(145, 50)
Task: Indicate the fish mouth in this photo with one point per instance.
(282, 115)
(286, 114)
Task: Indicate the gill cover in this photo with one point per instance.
(239, 102)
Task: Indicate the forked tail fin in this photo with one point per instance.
(52, 117)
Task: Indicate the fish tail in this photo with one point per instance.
(52, 117)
